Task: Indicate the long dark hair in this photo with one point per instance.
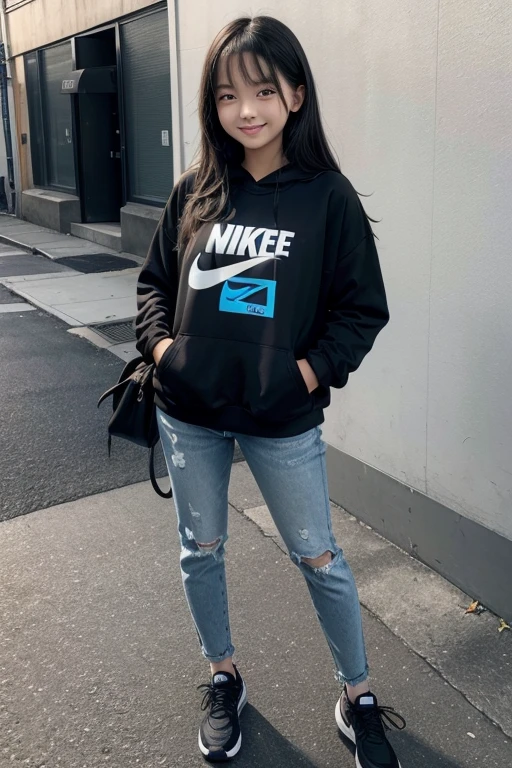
(272, 43)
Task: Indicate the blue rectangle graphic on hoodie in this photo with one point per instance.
(248, 296)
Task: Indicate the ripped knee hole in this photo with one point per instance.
(319, 562)
(211, 545)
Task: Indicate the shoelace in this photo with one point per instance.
(223, 700)
(376, 719)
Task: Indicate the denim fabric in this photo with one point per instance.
(291, 474)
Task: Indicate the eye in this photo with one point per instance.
(226, 97)
(266, 92)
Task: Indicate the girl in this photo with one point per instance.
(261, 290)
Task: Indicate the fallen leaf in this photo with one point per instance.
(472, 608)
(503, 625)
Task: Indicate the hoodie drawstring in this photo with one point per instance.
(276, 209)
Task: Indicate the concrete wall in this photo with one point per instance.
(41, 22)
(22, 123)
(417, 104)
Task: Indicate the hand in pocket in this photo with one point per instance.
(308, 375)
(160, 348)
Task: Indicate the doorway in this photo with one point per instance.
(97, 127)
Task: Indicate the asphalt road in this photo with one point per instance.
(53, 440)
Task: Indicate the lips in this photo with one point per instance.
(252, 130)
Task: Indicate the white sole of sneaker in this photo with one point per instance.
(347, 731)
(231, 752)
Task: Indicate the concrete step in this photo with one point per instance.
(106, 234)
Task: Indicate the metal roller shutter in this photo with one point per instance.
(147, 107)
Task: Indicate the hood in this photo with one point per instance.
(282, 178)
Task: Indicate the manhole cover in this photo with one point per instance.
(117, 333)
(97, 262)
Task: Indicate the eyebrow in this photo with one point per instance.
(231, 86)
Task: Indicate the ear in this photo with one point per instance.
(298, 99)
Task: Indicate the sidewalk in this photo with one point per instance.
(100, 665)
(48, 242)
(65, 276)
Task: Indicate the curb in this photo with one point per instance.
(22, 246)
(33, 249)
(45, 307)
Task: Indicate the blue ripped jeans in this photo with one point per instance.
(291, 475)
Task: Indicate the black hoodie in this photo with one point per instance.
(291, 273)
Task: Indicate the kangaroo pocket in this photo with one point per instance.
(203, 373)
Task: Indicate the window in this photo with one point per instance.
(147, 107)
(51, 129)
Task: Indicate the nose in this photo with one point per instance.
(247, 109)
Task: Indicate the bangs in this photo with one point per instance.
(253, 63)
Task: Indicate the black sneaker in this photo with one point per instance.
(364, 724)
(219, 735)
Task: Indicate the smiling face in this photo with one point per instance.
(249, 107)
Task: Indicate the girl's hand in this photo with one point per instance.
(160, 349)
(308, 375)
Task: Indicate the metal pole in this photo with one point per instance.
(176, 94)
(8, 120)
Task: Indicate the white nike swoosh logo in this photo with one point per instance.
(199, 279)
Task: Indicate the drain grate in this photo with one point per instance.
(118, 333)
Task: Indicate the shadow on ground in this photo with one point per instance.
(413, 752)
(264, 746)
